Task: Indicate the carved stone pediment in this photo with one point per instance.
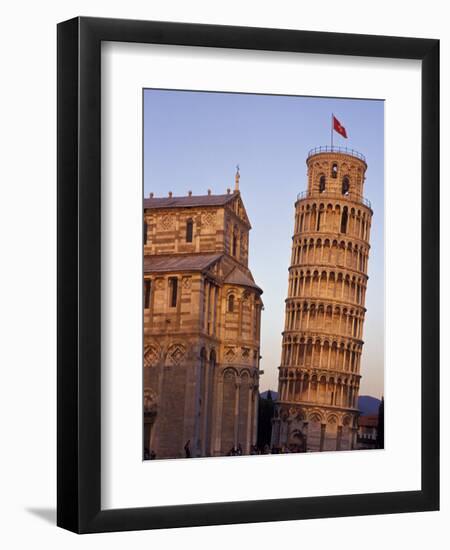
(230, 355)
(166, 222)
(208, 218)
(175, 354)
(151, 356)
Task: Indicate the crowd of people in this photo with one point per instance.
(238, 451)
(274, 450)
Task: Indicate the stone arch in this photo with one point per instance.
(326, 250)
(345, 188)
(231, 302)
(332, 253)
(322, 182)
(230, 372)
(322, 389)
(305, 385)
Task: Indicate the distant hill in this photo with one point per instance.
(368, 404)
(273, 393)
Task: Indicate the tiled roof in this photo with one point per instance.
(179, 262)
(368, 421)
(199, 200)
(238, 277)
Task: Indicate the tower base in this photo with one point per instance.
(310, 428)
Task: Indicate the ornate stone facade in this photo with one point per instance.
(322, 341)
(202, 313)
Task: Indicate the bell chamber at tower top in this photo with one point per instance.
(337, 173)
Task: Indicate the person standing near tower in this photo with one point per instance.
(319, 375)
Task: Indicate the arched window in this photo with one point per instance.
(189, 230)
(334, 170)
(322, 184)
(344, 220)
(147, 293)
(173, 286)
(231, 303)
(145, 232)
(345, 185)
(319, 215)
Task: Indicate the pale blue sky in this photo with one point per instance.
(193, 141)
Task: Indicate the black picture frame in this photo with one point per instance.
(79, 281)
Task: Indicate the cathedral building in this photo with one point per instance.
(202, 311)
(322, 341)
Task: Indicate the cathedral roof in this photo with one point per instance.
(187, 201)
(179, 262)
(238, 277)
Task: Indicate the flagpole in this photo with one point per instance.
(331, 131)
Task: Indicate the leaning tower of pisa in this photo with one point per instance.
(322, 341)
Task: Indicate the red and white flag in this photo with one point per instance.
(337, 127)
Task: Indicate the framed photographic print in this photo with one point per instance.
(248, 256)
